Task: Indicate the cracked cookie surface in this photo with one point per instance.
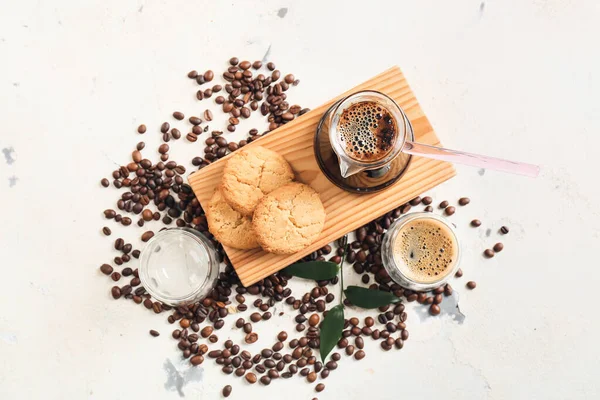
(252, 173)
(229, 226)
(288, 219)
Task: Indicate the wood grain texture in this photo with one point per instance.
(345, 211)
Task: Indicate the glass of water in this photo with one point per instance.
(178, 266)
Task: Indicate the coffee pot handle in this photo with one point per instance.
(474, 160)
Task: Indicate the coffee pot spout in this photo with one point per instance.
(348, 169)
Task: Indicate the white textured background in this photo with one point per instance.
(513, 78)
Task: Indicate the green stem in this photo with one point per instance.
(344, 242)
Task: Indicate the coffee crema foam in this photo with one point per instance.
(425, 250)
(368, 131)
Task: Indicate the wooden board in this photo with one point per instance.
(345, 211)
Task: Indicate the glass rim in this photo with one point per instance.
(392, 233)
(152, 289)
(397, 113)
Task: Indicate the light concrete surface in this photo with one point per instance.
(514, 78)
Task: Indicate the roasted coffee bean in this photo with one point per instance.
(404, 335)
(314, 320)
(359, 342)
(116, 292)
(119, 243)
(251, 378)
(416, 201)
(444, 204)
(434, 309)
(163, 148)
(154, 333)
(251, 338)
(359, 355)
(300, 327)
(195, 120)
(271, 66)
(239, 323)
(106, 269)
(476, 223)
(255, 317)
(331, 365)
(463, 201)
(206, 331)
(227, 390)
(498, 247)
(141, 129)
(311, 377)
(428, 209)
(458, 273)
(450, 210)
(504, 230)
(427, 200)
(178, 115)
(448, 290)
(197, 360)
(176, 134)
(489, 253)
(164, 128)
(147, 236)
(209, 75)
(104, 182)
(471, 285)
(266, 353)
(247, 327)
(265, 380)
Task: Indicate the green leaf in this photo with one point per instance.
(367, 298)
(331, 330)
(317, 270)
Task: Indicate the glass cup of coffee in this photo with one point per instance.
(179, 266)
(421, 251)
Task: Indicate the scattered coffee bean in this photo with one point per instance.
(141, 129)
(154, 333)
(147, 236)
(450, 210)
(475, 223)
(251, 338)
(471, 285)
(251, 378)
(359, 355)
(504, 230)
(227, 390)
(489, 253)
(458, 273)
(197, 360)
(498, 247)
(463, 201)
